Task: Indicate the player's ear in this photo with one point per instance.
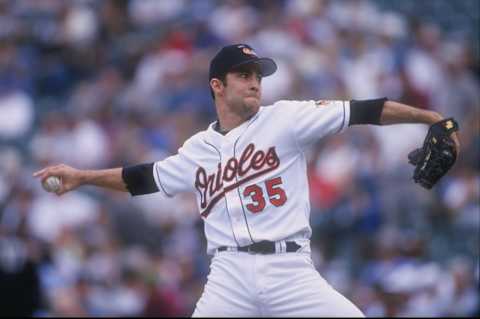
(216, 85)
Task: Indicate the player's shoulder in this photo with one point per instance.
(195, 140)
(294, 109)
(282, 106)
(200, 140)
(294, 103)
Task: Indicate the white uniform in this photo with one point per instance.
(251, 185)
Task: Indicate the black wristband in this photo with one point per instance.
(139, 179)
(366, 111)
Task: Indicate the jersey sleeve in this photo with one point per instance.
(313, 120)
(173, 175)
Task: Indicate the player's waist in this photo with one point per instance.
(265, 247)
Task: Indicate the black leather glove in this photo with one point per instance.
(437, 155)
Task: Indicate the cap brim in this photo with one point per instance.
(267, 65)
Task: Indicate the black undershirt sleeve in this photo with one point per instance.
(366, 111)
(139, 179)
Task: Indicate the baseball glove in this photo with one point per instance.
(437, 155)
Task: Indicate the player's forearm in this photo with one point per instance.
(396, 113)
(107, 178)
(72, 178)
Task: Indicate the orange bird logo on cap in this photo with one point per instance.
(248, 51)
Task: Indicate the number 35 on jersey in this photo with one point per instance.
(273, 193)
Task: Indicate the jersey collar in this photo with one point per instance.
(233, 133)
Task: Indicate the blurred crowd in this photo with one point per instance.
(100, 84)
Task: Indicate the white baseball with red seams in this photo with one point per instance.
(251, 185)
(51, 184)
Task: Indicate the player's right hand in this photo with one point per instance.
(70, 177)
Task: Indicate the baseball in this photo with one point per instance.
(51, 184)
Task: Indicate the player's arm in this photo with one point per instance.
(396, 113)
(386, 112)
(137, 179)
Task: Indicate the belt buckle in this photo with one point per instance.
(264, 247)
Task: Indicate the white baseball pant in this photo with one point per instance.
(241, 284)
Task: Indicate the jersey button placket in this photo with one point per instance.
(234, 204)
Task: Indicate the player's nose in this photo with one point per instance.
(255, 85)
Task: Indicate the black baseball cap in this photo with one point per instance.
(235, 55)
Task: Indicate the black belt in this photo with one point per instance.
(263, 247)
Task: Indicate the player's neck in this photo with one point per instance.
(225, 125)
(228, 120)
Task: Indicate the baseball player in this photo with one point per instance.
(248, 172)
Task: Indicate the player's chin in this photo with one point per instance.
(252, 103)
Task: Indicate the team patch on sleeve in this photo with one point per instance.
(321, 103)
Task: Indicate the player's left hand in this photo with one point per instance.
(437, 155)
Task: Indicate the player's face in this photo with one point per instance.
(243, 89)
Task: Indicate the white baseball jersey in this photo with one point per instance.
(251, 184)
